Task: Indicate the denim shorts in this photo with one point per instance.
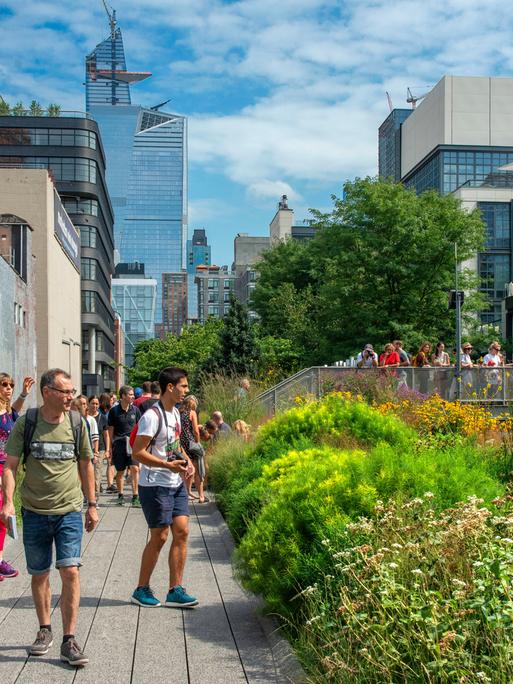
(161, 504)
(41, 531)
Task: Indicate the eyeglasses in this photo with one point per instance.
(8, 384)
(70, 392)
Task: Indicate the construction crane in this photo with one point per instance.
(413, 99)
(111, 13)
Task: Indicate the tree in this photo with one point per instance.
(5, 108)
(237, 352)
(190, 350)
(36, 109)
(19, 109)
(54, 109)
(380, 267)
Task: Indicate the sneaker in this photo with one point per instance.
(143, 596)
(41, 645)
(121, 500)
(177, 597)
(135, 502)
(6, 570)
(112, 489)
(71, 653)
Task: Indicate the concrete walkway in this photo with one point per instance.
(223, 640)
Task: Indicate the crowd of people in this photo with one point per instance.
(150, 436)
(394, 359)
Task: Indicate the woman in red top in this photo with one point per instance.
(390, 357)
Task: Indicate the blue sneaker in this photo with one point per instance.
(177, 597)
(143, 596)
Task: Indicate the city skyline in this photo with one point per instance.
(277, 104)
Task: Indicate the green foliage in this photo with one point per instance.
(190, 350)
(4, 107)
(220, 392)
(54, 109)
(383, 247)
(237, 351)
(36, 109)
(278, 358)
(19, 109)
(316, 489)
(412, 595)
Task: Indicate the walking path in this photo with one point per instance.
(224, 640)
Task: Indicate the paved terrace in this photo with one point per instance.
(224, 639)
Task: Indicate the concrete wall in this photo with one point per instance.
(29, 193)
(280, 227)
(248, 249)
(460, 110)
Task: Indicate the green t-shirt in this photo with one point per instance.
(51, 485)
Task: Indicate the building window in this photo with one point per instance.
(495, 273)
(67, 168)
(496, 215)
(213, 310)
(87, 236)
(72, 137)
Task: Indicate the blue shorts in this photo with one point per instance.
(161, 504)
(39, 534)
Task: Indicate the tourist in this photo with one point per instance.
(51, 497)
(164, 467)
(102, 426)
(367, 358)
(122, 419)
(222, 427)
(244, 387)
(494, 361)
(242, 429)
(403, 356)
(9, 410)
(153, 399)
(145, 394)
(467, 378)
(105, 405)
(389, 358)
(190, 443)
(421, 360)
(440, 359)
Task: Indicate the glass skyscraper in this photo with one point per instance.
(146, 151)
(198, 254)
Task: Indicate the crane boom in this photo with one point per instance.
(111, 13)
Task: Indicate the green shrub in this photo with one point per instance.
(418, 596)
(311, 491)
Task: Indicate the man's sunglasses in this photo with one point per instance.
(8, 384)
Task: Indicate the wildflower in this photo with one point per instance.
(397, 546)
(309, 590)
(417, 571)
(507, 540)
(394, 566)
(325, 542)
(428, 495)
(458, 582)
(482, 677)
(313, 619)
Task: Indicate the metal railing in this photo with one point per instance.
(488, 386)
(58, 114)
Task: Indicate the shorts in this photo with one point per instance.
(161, 504)
(120, 458)
(40, 532)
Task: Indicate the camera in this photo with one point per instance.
(175, 456)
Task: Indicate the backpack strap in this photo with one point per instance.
(76, 425)
(28, 432)
(159, 426)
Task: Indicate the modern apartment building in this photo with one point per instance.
(70, 148)
(134, 301)
(174, 301)
(198, 254)
(459, 139)
(146, 151)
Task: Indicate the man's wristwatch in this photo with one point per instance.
(91, 504)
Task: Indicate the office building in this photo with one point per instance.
(174, 301)
(198, 254)
(459, 140)
(146, 149)
(389, 144)
(44, 249)
(134, 301)
(215, 284)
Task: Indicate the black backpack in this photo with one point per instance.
(30, 426)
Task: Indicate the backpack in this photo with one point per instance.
(133, 433)
(30, 426)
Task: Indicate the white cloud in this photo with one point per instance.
(269, 189)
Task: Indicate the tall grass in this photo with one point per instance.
(222, 393)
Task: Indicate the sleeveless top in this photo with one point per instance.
(186, 435)
(7, 421)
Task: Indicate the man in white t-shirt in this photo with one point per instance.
(367, 358)
(162, 490)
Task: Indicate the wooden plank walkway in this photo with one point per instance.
(224, 640)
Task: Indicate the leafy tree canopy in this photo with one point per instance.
(380, 267)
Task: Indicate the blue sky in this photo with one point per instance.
(281, 97)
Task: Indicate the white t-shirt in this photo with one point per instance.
(151, 476)
(491, 360)
(367, 361)
(93, 428)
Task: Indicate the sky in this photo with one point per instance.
(282, 98)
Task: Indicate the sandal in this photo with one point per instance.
(205, 500)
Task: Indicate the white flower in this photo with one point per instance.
(314, 619)
(397, 546)
(393, 566)
(428, 495)
(417, 571)
(458, 582)
(325, 542)
(482, 677)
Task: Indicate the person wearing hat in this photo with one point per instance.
(367, 358)
(466, 365)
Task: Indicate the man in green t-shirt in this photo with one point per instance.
(51, 497)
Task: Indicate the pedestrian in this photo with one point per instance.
(389, 358)
(122, 419)
(242, 429)
(9, 411)
(494, 362)
(105, 405)
(421, 360)
(50, 441)
(244, 387)
(145, 394)
(191, 443)
(81, 405)
(103, 431)
(154, 397)
(367, 358)
(467, 378)
(404, 361)
(223, 427)
(164, 468)
(440, 360)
